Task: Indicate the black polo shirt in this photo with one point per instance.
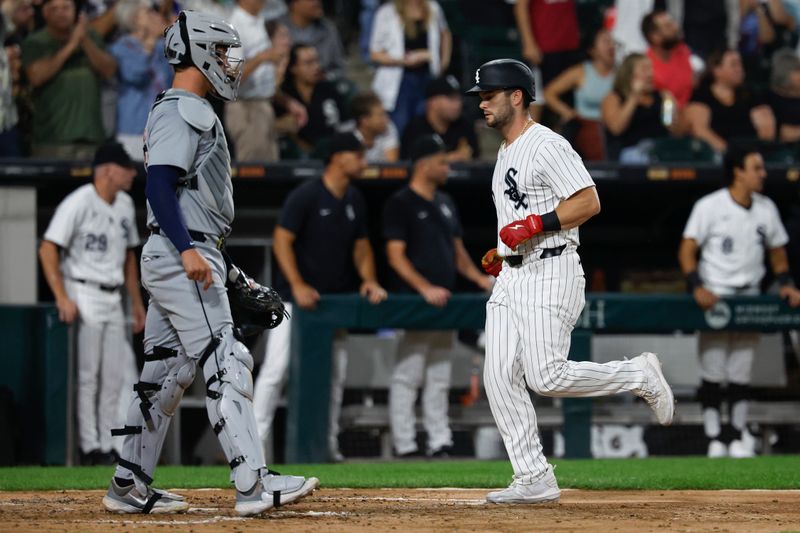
(326, 229)
(458, 132)
(428, 229)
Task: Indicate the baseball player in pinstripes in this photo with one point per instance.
(542, 193)
(189, 324)
(87, 255)
(732, 229)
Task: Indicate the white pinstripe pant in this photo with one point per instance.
(529, 319)
(104, 362)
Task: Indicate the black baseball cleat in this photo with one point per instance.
(445, 452)
(416, 454)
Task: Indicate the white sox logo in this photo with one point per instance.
(477, 76)
(513, 191)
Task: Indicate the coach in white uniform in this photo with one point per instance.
(732, 229)
(87, 255)
(542, 193)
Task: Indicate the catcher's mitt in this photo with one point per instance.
(254, 306)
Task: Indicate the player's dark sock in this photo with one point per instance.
(122, 482)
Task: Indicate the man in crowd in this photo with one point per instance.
(669, 55)
(442, 117)
(65, 63)
(308, 25)
(374, 129)
(250, 120)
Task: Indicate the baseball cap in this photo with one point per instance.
(425, 146)
(443, 86)
(112, 152)
(343, 142)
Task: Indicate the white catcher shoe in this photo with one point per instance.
(273, 490)
(128, 500)
(656, 391)
(543, 490)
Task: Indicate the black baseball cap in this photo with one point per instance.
(343, 142)
(442, 86)
(112, 152)
(426, 146)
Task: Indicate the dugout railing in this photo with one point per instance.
(313, 332)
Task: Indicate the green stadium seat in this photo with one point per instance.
(681, 150)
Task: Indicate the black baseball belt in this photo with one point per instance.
(516, 260)
(101, 286)
(218, 241)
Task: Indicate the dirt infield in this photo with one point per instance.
(421, 510)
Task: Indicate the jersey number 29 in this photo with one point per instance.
(96, 243)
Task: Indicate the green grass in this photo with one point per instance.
(774, 472)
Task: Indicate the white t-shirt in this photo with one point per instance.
(387, 140)
(94, 235)
(253, 33)
(532, 176)
(733, 239)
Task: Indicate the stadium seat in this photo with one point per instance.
(681, 150)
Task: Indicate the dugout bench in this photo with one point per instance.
(313, 332)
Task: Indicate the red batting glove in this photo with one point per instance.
(492, 262)
(520, 231)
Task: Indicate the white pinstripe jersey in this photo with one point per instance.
(733, 239)
(94, 235)
(533, 175)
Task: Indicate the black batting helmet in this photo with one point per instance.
(504, 74)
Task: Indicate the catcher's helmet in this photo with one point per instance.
(194, 40)
(504, 74)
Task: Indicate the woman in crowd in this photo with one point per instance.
(723, 108)
(410, 43)
(591, 81)
(142, 71)
(634, 113)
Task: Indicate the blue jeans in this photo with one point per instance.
(365, 19)
(410, 99)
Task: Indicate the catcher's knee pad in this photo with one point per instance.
(229, 384)
(710, 395)
(165, 376)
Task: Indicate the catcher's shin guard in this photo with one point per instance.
(229, 391)
(167, 373)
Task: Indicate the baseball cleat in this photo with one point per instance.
(656, 391)
(743, 447)
(543, 490)
(717, 449)
(273, 491)
(128, 500)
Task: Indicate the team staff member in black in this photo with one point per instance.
(443, 106)
(321, 246)
(425, 251)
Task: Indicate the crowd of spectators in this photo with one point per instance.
(76, 72)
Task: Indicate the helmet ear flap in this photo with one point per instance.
(186, 59)
(177, 48)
